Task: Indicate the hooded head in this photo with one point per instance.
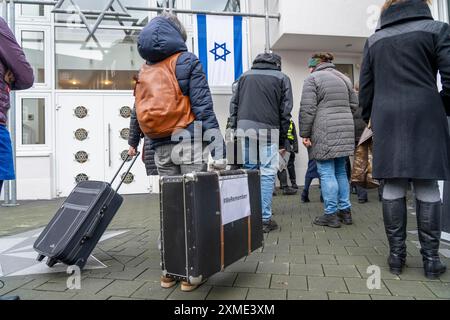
(267, 61)
(161, 38)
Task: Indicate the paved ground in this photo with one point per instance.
(300, 261)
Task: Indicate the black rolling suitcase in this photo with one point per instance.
(77, 227)
(197, 242)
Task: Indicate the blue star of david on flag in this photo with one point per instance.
(217, 49)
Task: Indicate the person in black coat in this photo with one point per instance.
(398, 92)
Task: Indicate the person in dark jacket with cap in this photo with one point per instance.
(261, 113)
(398, 92)
(162, 39)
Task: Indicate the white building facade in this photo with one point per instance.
(73, 124)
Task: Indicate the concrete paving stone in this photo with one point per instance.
(89, 297)
(343, 243)
(222, 279)
(409, 288)
(136, 261)
(306, 270)
(306, 295)
(369, 243)
(153, 291)
(38, 295)
(332, 250)
(385, 273)
(304, 249)
(92, 286)
(362, 251)
(122, 259)
(150, 275)
(121, 288)
(123, 298)
(441, 290)
(323, 284)
(273, 268)
(345, 296)
(261, 257)
(380, 261)
(13, 284)
(360, 286)
(127, 273)
(279, 248)
(290, 258)
(266, 294)
(351, 236)
(33, 283)
(243, 267)
(352, 260)
(154, 262)
(227, 293)
(320, 259)
(247, 280)
(413, 251)
(347, 271)
(316, 242)
(289, 282)
(60, 286)
(380, 297)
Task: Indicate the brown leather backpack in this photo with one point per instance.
(161, 107)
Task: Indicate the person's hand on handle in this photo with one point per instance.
(307, 142)
(132, 152)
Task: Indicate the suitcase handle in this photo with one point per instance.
(128, 171)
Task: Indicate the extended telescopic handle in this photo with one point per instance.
(128, 171)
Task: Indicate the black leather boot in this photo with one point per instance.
(395, 218)
(429, 224)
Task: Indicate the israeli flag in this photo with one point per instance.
(222, 48)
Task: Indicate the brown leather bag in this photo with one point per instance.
(161, 107)
(362, 166)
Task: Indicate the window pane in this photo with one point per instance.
(217, 5)
(33, 121)
(138, 18)
(346, 69)
(32, 10)
(33, 45)
(110, 63)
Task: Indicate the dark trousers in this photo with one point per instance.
(1, 185)
(283, 175)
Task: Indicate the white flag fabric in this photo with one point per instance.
(222, 48)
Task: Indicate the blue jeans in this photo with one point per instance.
(268, 165)
(335, 185)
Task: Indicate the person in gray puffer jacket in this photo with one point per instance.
(328, 131)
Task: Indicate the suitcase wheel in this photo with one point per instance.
(40, 258)
(51, 262)
(81, 263)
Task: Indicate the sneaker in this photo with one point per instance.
(269, 226)
(328, 220)
(167, 282)
(289, 191)
(294, 186)
(345, 217)
(363, 201)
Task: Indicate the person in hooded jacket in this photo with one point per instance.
(15, 74)
(399, 93)
(261, 113)
(161, 39)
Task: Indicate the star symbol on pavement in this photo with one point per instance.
(217, 48)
